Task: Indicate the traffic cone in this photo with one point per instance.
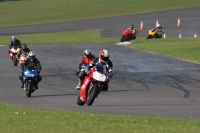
(195, 34)
(156, 22)
(180, 35)
(164, 35)
(141, 26)
(179, 22)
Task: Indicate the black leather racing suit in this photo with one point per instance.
(33, 62)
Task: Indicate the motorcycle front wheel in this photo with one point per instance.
(29, 89)
(80, 102)
(92, 94)
(123, 39)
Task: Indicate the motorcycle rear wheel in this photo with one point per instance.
(92, 95)
(149, 37)
(15, 60)
(134, 37)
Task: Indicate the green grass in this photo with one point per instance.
(23, 120)
(183, 48)
(75, 37)
(46, 11)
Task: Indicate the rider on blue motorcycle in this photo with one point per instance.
(32, 61)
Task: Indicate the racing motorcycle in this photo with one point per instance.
(93, 85)
(30, 77)
(155, 34)
(22, 58)
(13, 54)
(127, 36)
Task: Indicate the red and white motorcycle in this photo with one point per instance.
(93, 84)
(13, 54)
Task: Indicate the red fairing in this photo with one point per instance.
(128, 34)
(88, 79)
(12, 52)
(83, 89)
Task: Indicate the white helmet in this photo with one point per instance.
(31, 55)
(104, 55)
(13, 37)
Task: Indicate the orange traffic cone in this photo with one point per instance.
(195, 34)
(179, 22)
(156, 22)
(164, 35)
(180, 35)
(141, 26)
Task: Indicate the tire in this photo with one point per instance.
(134, 37)
(15, 60)
(149, 37)
(105, 87)
(123, 39)
(79, 101)
(29, 89)
(159, 36)
(92, 95)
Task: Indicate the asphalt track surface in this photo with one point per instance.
(143, 84)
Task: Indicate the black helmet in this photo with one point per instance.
(24, 46)
(131, 26)
(87, 53)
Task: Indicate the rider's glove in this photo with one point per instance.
(110, 75)
(87, 72)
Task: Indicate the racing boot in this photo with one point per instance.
(36, 86)
(79, 85)
(22, 86)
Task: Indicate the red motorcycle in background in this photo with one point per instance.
(93, 85)
(127, 35)
(13, 54)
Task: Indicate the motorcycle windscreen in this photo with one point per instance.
(99, 74)
(30, 68)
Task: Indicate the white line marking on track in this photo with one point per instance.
(123, 43)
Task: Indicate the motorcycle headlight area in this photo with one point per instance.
(29, 74)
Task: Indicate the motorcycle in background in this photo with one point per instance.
(93, 85)
(13, 52)
(22, 58)
(155, 34)
(127, 36)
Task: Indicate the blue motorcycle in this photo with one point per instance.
(30, 77)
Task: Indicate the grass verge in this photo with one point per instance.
(74, 37)
(183, 48)
(23, 120)
(47, 11)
